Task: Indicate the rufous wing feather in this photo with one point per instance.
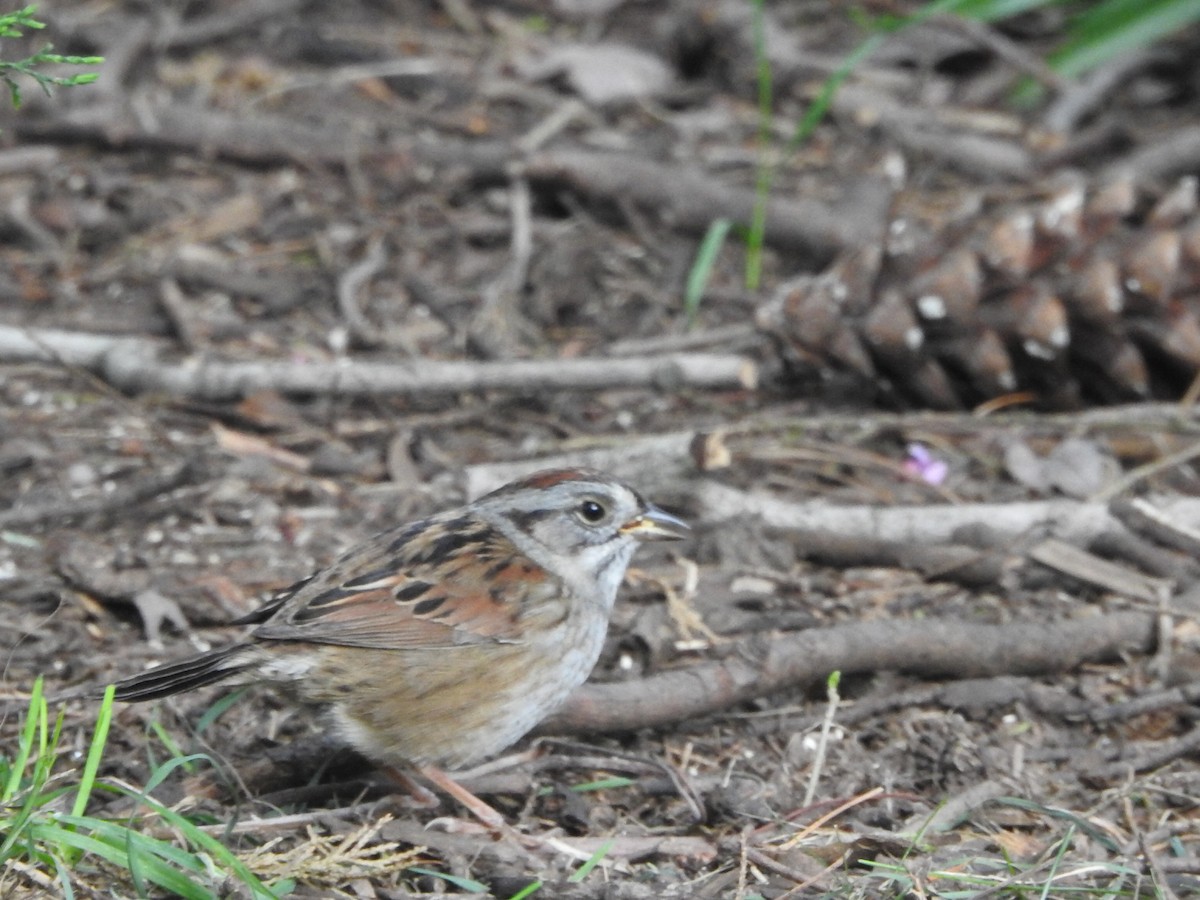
(425, 597)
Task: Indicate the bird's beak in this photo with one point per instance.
(656, 525)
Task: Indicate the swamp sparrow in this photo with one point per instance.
(441, 642)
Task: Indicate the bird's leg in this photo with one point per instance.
(485, 813)
(421, 796)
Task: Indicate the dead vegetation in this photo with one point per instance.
(287, 275)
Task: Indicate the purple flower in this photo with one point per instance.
(924, 465)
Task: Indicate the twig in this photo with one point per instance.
(127, 51)
(945, 562)
(20, 215)
(1141, 473)
(1077, 99)
(28, 160)
(558, 119)
(1161, 664)
(625, 847)
(1140, 758)
(741, 337)
(1171, 155)
(211, 380)
(932, 132)
(494, 327)
(1161, 883)
(1184, 865)
(67, 348)
(780, 722)
(762, 664)
(1140, 515)
(761, 859)
(957, 808)
(175, 307)
(134, 365)
(521, 205)
(1069, 520)
(834, 808)
(1147, 556)
(1183, 695)
(831, 708)
(689, 199)
(353, 279)
(1005, 48)
(239, 19)
(1089, 568)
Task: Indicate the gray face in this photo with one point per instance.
(587, 526)
(579, 525)
(577, 522)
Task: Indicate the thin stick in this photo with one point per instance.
(831, 687)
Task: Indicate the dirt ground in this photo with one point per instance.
(991, 536)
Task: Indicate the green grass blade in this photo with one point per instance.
(36, 712)
(169, 742)
(1078, 822)
(78, 838)
(36, 728)
(63, 871)
(163, 770)
(604, 784)
(219, 709)
(820, 106)
(701, 271)
(1064, 844)
(118, 835)
(594, 860)
(467, 884)
(17, 827)
(992, 10)
(528, 891)
(1118, 27)
(221, 854)
(95, 752)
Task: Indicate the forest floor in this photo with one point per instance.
(498, 206)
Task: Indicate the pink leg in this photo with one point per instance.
(422, 797)
(480, 810)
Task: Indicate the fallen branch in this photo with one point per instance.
(1143, 517)
(1071, 520)
(1092, 569)
(929, 648)
(690, 198)
(1171, 156)
(940, 562)
(1146, 556)
(134, 365)
(212, 380)
(1143, 756)
(935, 132)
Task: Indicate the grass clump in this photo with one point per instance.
(50, 842)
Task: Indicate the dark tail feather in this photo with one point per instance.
(173, 678)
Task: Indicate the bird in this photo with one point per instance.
(439, 643)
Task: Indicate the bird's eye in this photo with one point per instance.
(591, 511)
